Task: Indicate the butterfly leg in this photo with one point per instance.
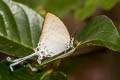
(40, 57)
(32, 68)
(10, 60)
(39, 61)
(11, 67)
(17, 61)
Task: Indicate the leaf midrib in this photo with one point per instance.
(17, 42)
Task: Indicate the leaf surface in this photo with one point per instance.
(19, 28)
(100, 31)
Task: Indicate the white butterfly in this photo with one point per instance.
(55, 39)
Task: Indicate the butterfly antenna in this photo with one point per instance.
(76, 28)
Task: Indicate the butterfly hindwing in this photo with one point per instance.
(55, 36)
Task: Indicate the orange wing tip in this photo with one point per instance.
(50, 14)
(53, 15)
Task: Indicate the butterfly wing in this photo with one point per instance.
(54, 40)
(55, 37)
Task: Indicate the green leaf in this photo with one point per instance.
(107, 4)
(18, 74)
(19, 28)
(100, 31)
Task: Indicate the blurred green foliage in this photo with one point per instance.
(81, 8)
(107, 4)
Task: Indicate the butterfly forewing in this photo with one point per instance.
(55, 37)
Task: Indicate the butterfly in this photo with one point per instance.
(54, 40)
